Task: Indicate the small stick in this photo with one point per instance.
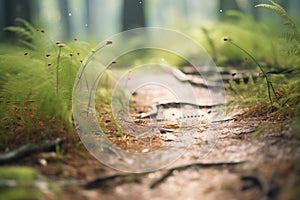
(29, 149)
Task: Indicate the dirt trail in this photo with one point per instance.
(237, 166)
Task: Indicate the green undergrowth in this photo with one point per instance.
(37, 77)
(149, 55)
(259, 39)
(283, 104)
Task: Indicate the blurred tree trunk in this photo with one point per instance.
(65, 18)
(88, 15)
(13, 9)
(225, 5)
(228, 5)
(16, 8)
(133, 14)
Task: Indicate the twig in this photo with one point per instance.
(184, 167)
(29, 149)
(224, 120)
(99, 181)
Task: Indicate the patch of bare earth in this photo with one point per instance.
(269, 170)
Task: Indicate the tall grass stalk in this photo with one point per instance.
(269, 83)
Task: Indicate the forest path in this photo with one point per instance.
(235, 164)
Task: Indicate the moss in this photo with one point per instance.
(23, 183)
(18, 173)
(18, 193)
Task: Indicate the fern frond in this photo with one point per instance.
(29, 78)
(26, 24)
(20, 32)
(281, 11)
(292, 35)
(25, 32)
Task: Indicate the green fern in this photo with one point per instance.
(252, 34)
(32, 38)
(28, 82)
(287, 103)
(281, 11)
(292, 33)
(241, 91)
(24, 31)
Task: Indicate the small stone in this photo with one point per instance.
(43, 161)
(145, 150)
